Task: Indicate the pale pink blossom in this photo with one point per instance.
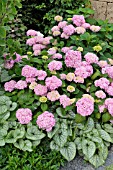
(85, 106)
(53, 82)
(91, 58)
(24, 115)
(21, 85)
(40, 90)
(10, 86)
(65, 101)
(80, 30)
(103, 83)
(53, 95)
(31, 33)
(55, 28)
(62, 24)
(55, 65)
(78, 20)
(100, 94)
(57, 56)
(31, 41)
(95, 28)
(29, 71)
(68, 29)
(41, 74)
(46, 121)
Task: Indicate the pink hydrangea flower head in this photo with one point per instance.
(21, 85)
(10, 86)
(31, 41)
(78, 20)
(56, 33)
(65, 101)
(102, 63)
(63, 76)
(109, 71)
(65, 49)
(41, 74)
(68, 29)
(85, 106)
(37, 52)
(100, 94)
(53, 82)
(55, 28)
(95, 28)
(46, 121)
(62, 24)
(91, 58)
(40, 90)
(84, 71)
(46, 40)
(103, 83)
(109, 90)
(31, 33)
(58, 18)
(101, 108)
(73, 58)
(110, 109)
(30, 79)
(57, 56)
(8, 64)
(55, 65)
(63, 35)
(24, 116)
(78, 79)
(80, 30)
(108, 101)
(86, 25)
(53, 95)
(52, 51)
(70, 76)
(18, 57)
(38, 47)
(39, 39)
(29, 71)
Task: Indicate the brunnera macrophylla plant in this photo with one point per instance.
(63, 88)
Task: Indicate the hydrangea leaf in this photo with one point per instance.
(69, 151)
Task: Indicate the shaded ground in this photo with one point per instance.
(79, 164)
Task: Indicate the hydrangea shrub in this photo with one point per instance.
(63, 90)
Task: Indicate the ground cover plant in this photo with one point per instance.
(61, 90)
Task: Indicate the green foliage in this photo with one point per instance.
(46, 11)
(8, 9)
(40, 158)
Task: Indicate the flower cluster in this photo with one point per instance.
(46, 121)
(24, 116)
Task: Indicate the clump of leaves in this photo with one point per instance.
(41, 158)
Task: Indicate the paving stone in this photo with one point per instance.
(110, 12)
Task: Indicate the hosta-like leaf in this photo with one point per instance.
(61, 137)
(27, 146)
(89, 125)
(60, 112)
(19, 133)
(3, 109)
(36, 142)
(54, 146)
(4, 99)
(10, 137)
(14, 105)
(34, 134)
(69, 151)
(96, 139)
(88, 148)
(3, 132)
(4, 116)
(53, 132)
(104, 135)
(96, 160)
(108, 128)
(2, 142)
